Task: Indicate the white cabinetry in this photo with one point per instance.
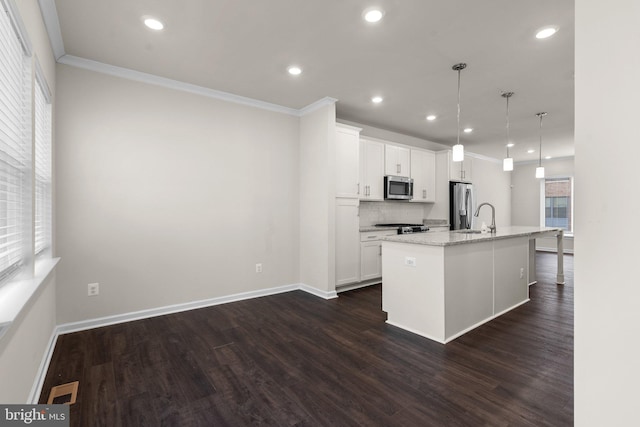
(347, 161)
(423, 172)
(397, 160)
(347, 241)
(460, 171)
(371, 253)
(371, 170)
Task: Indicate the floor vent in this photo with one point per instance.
(65, 393)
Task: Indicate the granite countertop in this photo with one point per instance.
(374, 228)
(447, 238)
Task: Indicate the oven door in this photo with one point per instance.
(398, 188)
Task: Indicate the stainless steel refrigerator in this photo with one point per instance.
(462, 205)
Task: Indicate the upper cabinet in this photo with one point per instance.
(460, 171)
(371, 170)
(423, 172)
(397, 161)
(347, 161)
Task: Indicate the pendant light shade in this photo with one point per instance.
(507, 163)
(458, 149)
(540, 168)
(458, 153)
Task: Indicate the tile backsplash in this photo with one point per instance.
(372, 213)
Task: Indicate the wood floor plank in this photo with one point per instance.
(295, 359)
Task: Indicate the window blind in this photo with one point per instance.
(42, 226)
(15, 147)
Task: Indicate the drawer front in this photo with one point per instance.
(371, 236)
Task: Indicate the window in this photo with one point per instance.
(558, 207)
(15, 148)
(42, 156)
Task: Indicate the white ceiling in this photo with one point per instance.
(245, 46)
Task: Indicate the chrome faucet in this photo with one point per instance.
(492, 227)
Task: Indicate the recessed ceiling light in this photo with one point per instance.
(468, 130)
(431, 117)
(153, 23)
(372, 15)
(294, 70)
(531, 150)
(511, 144)
(545, 32)
(376, 99)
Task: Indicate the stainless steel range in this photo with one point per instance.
(407, 228)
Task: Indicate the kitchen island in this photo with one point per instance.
(442, 284)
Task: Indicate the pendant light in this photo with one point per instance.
(507, 163)
(458, 149)
(540, 168)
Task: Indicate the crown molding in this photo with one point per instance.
(323, 102)
(52, 24)
(139, 76)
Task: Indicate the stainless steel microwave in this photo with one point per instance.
(398, 188)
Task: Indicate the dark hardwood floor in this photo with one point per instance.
(295, 359)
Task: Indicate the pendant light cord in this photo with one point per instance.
(508, 124)
(459, 105)
(540, 148)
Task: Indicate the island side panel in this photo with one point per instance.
(468, 286)
(413, 288)
(511, 259)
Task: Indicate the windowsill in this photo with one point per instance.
(15, 294)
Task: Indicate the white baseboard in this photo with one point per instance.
(84, 325)
(358, 285)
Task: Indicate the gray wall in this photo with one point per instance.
(526, 196)
(607, 147)
(525, 188)
(317, 199)
(165, 197)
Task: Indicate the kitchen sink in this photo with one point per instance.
(468, 231)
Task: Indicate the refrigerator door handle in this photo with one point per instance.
(467, 202)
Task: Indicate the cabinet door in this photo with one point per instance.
(370, 260)
(460, 171)
(423, 172)
(347, 241)
(397, 160)
(404, 159)
(371, 170)
(347, 162)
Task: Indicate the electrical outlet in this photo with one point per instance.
(410, 261)
(522, 273)
(93, 289)
(258, 268)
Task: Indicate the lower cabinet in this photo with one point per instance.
(347, 245)
(371, 254)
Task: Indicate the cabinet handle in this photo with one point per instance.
(424, 194)
(358, 191)
(380, 251)
(372, 237)
(368, 190)
(398, 167)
